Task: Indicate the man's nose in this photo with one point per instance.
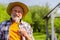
(17, 14)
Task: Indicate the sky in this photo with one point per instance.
(51, 3)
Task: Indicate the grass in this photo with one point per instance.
(40, 36)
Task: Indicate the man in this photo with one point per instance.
(15, 28)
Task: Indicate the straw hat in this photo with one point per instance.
(13, 4)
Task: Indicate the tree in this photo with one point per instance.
(38, 13)
(3, 14)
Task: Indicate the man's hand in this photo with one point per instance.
(24, 33)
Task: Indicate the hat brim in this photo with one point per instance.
(13, 4)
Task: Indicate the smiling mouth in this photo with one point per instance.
(15, 16)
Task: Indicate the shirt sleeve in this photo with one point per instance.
(0, 31)
(30, 31)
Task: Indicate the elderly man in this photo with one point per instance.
(15, 28)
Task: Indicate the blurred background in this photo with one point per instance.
(37, 10)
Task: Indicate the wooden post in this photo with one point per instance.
(47, 34)
(52, 26)
(53, 37)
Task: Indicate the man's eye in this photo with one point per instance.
(19, 12)
(15, 10)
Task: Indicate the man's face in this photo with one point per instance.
(16, 13)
